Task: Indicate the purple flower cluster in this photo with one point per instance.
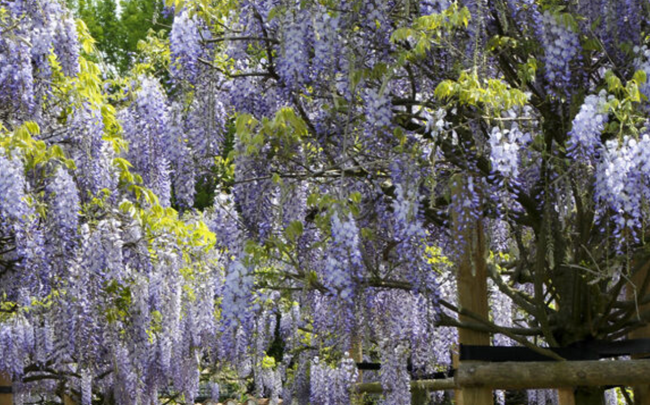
(31, 30)
(501, 309)
(206, 121)
(376, 25)
(428, 7)
(86, 387)
(16, 344)
(587, 126)
(504, 151)
(394, 376)
(254, 191)
(185, 47)
(13, 206)
(223, 222)
(332, 385)
(63, 219)
(629, 16)
(293, 63)
(542, 397)
(410, 235)
(214, 391)
(327, 48)
(465, 206)
(343, 263)
(183, 175)
(145, 124)
(66, 45)
(237, 295)
(293, 201)
(378, 111)
(123, 322)
(65, 204)
(16, 75)
(561, 47)
(92, 154)
(623, 183)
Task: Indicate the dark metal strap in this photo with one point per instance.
(368, 366)
(4, 389)
(621, 347)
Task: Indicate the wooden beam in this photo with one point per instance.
(534, 375)
(528, 375)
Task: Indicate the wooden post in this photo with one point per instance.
(68, 400)
(6, 398)
(641, 392)
(566, 396)
(356, 353)
(472, 293)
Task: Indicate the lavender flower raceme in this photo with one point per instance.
(185, 47)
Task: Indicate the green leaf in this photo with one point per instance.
(633, 91)
(293, 230)
(640, 77)
(613, 82)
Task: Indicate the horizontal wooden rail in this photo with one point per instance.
(524, 375)
(532, 375)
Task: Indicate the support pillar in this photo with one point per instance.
(641, 392)
(356, 353)
(566, 396)
(6, 397)
(472, 293)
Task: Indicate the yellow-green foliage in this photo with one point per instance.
(284, 131)
(626, 104)
(154, 56)
(491, 94)
(428, 30)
